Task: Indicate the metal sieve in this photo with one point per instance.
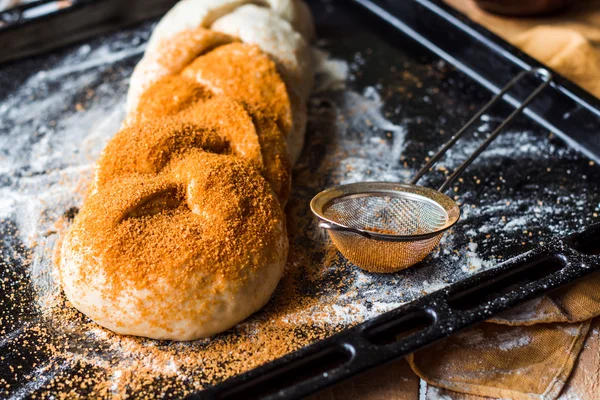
(387, 227)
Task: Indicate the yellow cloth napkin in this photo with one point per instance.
(529, 352)
(525, 353)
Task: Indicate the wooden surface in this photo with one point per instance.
(396, 381)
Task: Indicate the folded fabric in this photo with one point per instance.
(528, 352)
(512, 362)
(524, 353)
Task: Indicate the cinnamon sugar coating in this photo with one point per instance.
(176, 247)
(168, 96)
(247, 75)
(183, 234)
(172, 55)
(146, 148)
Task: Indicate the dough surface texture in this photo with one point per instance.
(183, 234)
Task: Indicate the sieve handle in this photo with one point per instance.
(333, 227)
(539, 72)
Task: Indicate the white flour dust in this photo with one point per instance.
(56, 121)
(60, 118)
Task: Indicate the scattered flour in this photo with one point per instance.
(55, 122)
(514, 343)
(331, 73)
(474, 262)
(434, 393)
(505, 341)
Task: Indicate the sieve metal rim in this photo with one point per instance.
(324, 199)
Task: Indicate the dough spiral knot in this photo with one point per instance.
(164, 257)
(183, 233)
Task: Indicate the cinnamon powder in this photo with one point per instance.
(247, 75)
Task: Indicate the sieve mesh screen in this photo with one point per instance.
(402, 214)
(405, 222)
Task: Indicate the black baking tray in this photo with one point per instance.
(564, 109)
(425, 33)
(43, 25)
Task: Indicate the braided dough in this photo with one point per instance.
(183, 233)
(281, 28)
